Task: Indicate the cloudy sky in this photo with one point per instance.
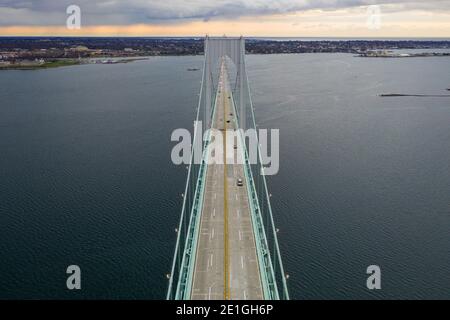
(289, 18)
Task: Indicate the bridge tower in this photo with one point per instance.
(215, 50)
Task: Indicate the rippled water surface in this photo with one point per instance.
(86, 176)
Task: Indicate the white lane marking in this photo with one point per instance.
(209, 293)
(238, 213)
(212, 234)
(211, 260)
(242, 262)
(245, 295)
(236, 196)
(215, 195)
(214, 212)
(240, 235)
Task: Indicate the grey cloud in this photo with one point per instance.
(97, 12)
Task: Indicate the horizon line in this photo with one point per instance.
(194, 37)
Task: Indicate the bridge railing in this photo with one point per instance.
(180, 277)
(273, 274)
(185, 231)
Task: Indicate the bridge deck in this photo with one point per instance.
(226, 265)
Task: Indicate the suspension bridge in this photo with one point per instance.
(227, 246)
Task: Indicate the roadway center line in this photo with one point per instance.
(242, 262)
(225, 206)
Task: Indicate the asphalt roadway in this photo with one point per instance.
(226, 265)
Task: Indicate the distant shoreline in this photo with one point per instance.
(403, 55)
(67, 62)
(64, 63)
(21, 53)
(86, 47)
